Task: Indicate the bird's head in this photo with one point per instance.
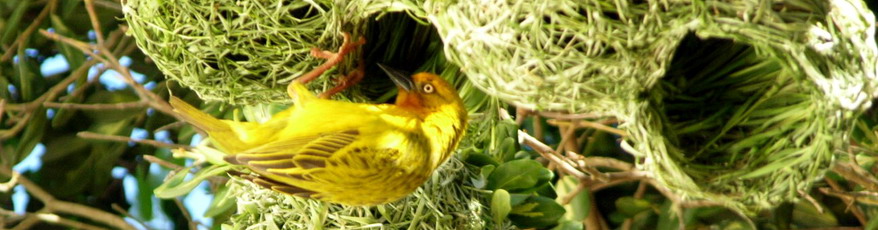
(423, 91)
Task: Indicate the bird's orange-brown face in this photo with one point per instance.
(428, 91)
(422, 91)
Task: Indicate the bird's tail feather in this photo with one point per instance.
(221, 133)
(300, 94)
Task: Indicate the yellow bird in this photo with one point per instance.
(343, 152)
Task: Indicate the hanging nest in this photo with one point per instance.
(243, 52)
(591, 56)
(748, 122)
(560, 54)
(740, 130)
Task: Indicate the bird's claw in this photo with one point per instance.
(333, 59)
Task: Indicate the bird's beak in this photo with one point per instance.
(400, 78)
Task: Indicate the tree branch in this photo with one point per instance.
(30, 29)
(98, 136)
(55, 205)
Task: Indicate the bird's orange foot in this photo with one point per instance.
(333, 59)
(343, 83)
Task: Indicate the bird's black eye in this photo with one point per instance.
(428, 88)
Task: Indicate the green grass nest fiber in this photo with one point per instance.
(590, 56)
(740, 130)
(441, 203)
(245, 52)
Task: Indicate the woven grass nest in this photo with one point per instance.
(436, 205)
(245, 52)
(587, 56)
(749, 127)
(739, 102)
(741, 130)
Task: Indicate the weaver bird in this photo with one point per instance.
(343, 152)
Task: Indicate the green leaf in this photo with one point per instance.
(74, 56)
(500, 205)
(58, 148)
(805, 215)
(31, 135)
(222, 202)
(873, 224)
(107, 97)
(536, 212)
(120, 127)
(4, 88)
(505, 138)
(29, 81)
(667, 219)
(569, 225)
(63, 115)
(630, 206)
(481, 181)
(517, 198)
(178, 186)
(144, 195)
(580, 205)
(476, 158)
(519, 175)
(105, 156)
(10, 33)
(508, 145)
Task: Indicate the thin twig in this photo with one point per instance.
(812, 201)
(594, 220)
(608, 162)
(546, 152)
(95, 24)
(11, 217)
(854, 173)
(109, 5)
(569, 196)
(539, 132)
(6, 134)
(55, 205)
(566, 135)
(163, 163)
(105, 56)
(617, 178)
(521, 115)
(36, 23)
(170, 126)
(2, 108)
(7, 186)
(52, 219)
(98, 136)
(114, 106)
(52, 93)
(567, 116)
(589, 124)
(848, 200)
(122, 211)
(192, 223)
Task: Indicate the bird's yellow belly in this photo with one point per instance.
(371, 190)
(365, 176)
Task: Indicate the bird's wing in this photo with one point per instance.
(296, 154)
(292, 159)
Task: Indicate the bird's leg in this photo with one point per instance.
(332, 59)
(348, 80)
